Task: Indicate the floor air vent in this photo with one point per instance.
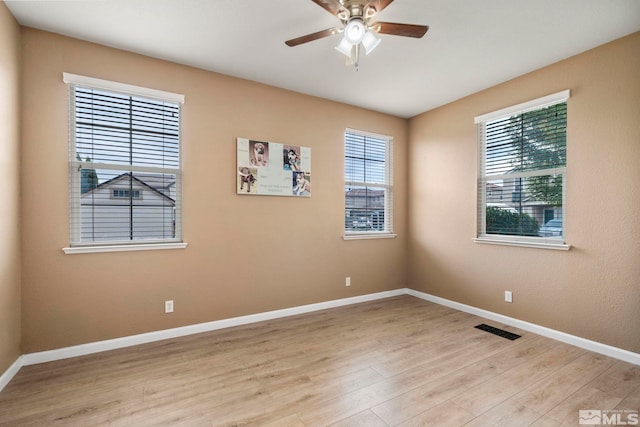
(500, 332)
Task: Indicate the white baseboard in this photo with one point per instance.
(10, 372)
(607, 350)
(116, 343)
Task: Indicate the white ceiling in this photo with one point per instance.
(471, 44)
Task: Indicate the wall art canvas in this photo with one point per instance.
(273, 169)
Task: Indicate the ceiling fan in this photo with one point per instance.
(359, 31)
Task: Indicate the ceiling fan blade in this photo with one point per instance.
(313, 36)
(379, 5)
(334, 7)
(404, 30)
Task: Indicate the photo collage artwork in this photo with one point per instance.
(272, 169)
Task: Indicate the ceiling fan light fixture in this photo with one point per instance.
(345, 47)
(355, 31)
(370, 41)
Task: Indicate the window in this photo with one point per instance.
(522, 153)
(368, 185)
(124, 142)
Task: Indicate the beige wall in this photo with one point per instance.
(246, 254)
(9, 188)
(592, 291)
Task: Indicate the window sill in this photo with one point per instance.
(365, 236)
(123, 248)
(522, 243)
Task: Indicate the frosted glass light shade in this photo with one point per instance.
(370, 42)
(355, 31)
(344, 47)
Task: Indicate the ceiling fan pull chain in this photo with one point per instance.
(357, 56)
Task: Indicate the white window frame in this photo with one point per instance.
(387, 185)
(73, 80)
(523, 241)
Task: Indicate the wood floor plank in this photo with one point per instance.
(536, 400)
(444, 414)
(439, 364)
(289, 421)
(612, 390)
(620, 380)
(566, 412)
(433, 393)
(547, 393)
(483, 397)
(605, 392)
(509, 413)
(632, 401)
(362, 419)
(397, 361)
(420, 399)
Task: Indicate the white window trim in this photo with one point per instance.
(123, 248)
(535, 104)
(132, 90)
(371, 235)
(388, 186)
(521, 241)
(74, 79)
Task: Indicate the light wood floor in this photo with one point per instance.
(398, 361)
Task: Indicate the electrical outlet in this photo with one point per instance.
(168, 306)
(347, 282)
(508, 296)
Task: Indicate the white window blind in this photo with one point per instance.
(124, 164)
(368, 183)
(522, 170)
